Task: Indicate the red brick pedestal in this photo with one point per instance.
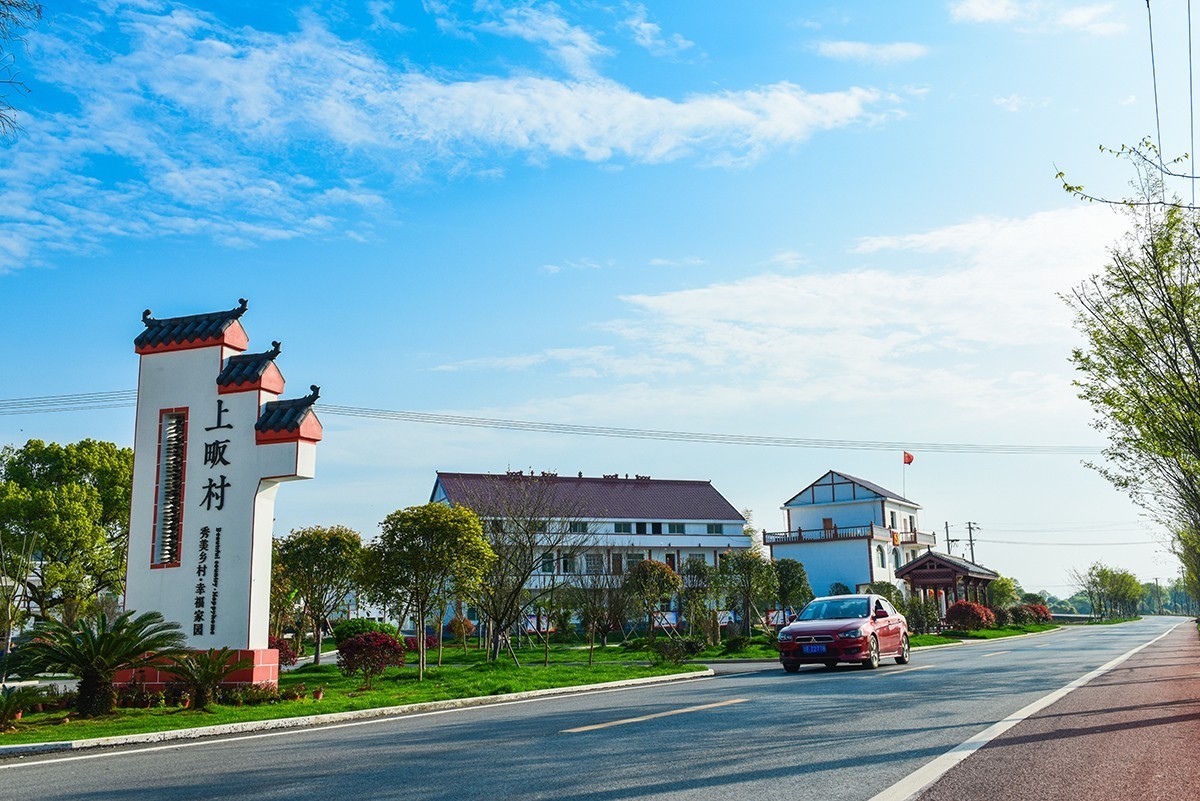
(265, 670)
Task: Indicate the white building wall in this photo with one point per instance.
(847, 561)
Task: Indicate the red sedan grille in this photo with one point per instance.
(817, 638)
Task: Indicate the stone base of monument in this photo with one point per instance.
(264, 670)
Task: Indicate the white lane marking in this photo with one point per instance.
(908, 670)
(993, 653)
(666, 714)
(927, 774)
(1047, 645)
(223, 740)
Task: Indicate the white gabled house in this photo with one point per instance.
(851, 531)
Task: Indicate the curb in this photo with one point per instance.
(305, 721)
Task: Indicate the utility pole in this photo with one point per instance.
(949, 542)
(971, 526)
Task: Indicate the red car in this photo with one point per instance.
(844, 628)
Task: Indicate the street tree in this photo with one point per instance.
(16, 16)
(1139, 365)
(74, 500)
(650, 583)
(792, 588)
(431, 554)
(702, 590)
(324, 565)
(602, 602)
(529, 526)
(750, 579)
(1002, 593)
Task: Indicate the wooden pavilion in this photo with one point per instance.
(947, 577)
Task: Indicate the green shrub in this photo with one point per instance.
(667, 651)
(922, 615)
(693, 645)
(738, 642)
(1020, 615)
(1003, 618)
(345, 629)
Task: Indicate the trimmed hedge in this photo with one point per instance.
(345, 629)
(969, 616)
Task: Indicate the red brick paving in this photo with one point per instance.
(1130, 734)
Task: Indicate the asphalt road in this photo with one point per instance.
(760, 734)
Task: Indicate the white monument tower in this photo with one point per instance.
(212, 443)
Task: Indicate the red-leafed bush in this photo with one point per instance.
(969, 616)
(461, 628)
(370, 653)
(1020, 615)
(287, 657)
(410, 643)
(1041, 612)
(1003, 618)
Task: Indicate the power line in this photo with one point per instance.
(1093, 544)
(127, 398)
(1154, 79)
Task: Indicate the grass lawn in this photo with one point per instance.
(397, 686)
(1007, 631)
(1107, 621)
(919, 640)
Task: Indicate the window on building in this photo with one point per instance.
(568, 564)
(674, 528)
(622, 528)
(633, 558)
(656, 528)
(912, 523)
(593, 563)
(641, 528)
(497, 526)
(880, 556)
(618, 564)
(716, 528)
(697, 557)
(547, 562)
(172, 458)
(721, 559)
(892, 519)
(896, 557)
(578, 527)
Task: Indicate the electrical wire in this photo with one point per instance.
(128, 398)
(1154, 78)
(1191, 104)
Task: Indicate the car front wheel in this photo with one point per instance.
(902, 659)
(791, 667)
(872, 654)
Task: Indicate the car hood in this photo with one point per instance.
(825, 626)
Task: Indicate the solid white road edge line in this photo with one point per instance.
(222, 740)
(927, 774)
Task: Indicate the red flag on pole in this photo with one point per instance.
(908, 458)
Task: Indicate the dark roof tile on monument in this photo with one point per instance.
(286, 415)
(246, 367)
(612, 498)
(191, 328)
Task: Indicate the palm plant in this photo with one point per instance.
(96, 653)
(203, 672)
(14, 700)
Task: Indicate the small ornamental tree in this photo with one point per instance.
(369, 654)
(345, 629)
(650, 583)
(969, 616)
(287, 656)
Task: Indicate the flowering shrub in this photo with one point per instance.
(345, 629)
(1020, 614)
(370, 653)
(287, 657)
(461, 628)
(969, 616)
(410, 643)
(1041, 613)
(1003, 618)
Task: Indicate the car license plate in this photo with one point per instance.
(813, 649)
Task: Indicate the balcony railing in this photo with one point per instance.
(871, 531)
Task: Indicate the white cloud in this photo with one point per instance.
(193, 116)
(1040, 15)
(979, 323)
(381, 16)
(686, 261)
(985, 10)
(649, 34)
(892, 53)
(1016, 103)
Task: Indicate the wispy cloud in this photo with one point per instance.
(1095, 19)
(649, 35)
(1016, 103)
(892, 53)
(686, 261)
(194, 118)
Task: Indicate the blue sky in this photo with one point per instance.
(828, 220)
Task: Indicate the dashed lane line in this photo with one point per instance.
(641, 718)
(993, 653)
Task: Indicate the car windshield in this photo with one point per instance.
(836, 609)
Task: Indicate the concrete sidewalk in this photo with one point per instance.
(1128, 735)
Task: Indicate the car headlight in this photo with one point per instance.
(785, 636)
(852, 634)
